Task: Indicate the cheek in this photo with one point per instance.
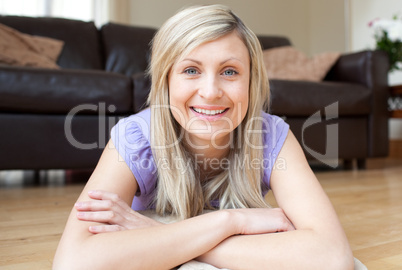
(177, 101)
(177, 96)
(243, 101)
(173, 91)
(246, 95)
(244, 105)
(241, 97)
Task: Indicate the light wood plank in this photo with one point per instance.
(369, 205)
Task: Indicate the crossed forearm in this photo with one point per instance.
(299, 249)
(156, 247)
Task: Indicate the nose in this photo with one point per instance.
(210, 88)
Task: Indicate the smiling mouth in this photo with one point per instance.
(209, 112)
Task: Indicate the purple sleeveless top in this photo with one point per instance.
(131, 137)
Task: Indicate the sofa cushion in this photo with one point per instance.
(304, 98)
(289, 63)
(19, 49)
(82, 49)
(127, 48)
(52, 91)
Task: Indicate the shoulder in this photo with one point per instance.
(131, 137)
(274, 130)
(274, 133)
(136, 125)
(272, 121)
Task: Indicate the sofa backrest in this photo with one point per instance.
(115, 47)
(126, 48)
(81, 50)
(269, 42)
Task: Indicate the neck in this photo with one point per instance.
(208, 157)
(208, 149)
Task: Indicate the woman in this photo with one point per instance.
(204, 143)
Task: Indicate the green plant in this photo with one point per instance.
(388, 37)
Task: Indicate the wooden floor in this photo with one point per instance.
(369, 205)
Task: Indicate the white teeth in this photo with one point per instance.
(208, 112)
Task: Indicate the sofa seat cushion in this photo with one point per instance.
(304, 98)
(48, 91)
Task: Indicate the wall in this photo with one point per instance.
(118, 11)
(312, 25)
(327, 26)
(361, 37)
(276, 17)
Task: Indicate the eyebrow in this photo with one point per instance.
(221, 63)
(192, 60)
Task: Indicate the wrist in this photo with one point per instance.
(233, 221)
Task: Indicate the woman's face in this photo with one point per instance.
(209, 89)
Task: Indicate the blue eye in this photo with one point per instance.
(191, 71)
(229, 72)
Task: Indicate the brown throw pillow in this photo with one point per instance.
(288, 63)
(18, 49)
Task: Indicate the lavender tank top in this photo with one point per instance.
(131, 137)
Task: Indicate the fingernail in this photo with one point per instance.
(93, 228)
(93, 192)
(78, 204)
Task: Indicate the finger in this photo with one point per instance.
(101, 217)
(285, 225)
(285, 228)
(103, 195)
(94, 205)
(291, 227)
(105, 228)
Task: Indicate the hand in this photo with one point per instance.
(109, 209)
(262, 220)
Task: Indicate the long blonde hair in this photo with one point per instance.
(179, 189)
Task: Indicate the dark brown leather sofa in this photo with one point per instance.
(60, 119)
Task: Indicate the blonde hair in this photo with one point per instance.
(179, 189)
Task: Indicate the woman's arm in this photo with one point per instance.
(318, 241)
(149, 246)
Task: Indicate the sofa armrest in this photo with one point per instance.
(370, 69)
